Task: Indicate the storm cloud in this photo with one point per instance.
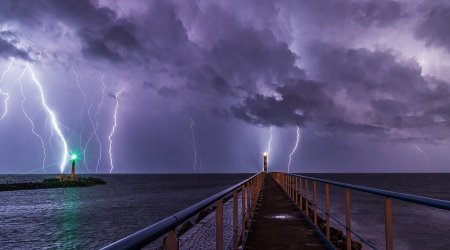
(352, 75)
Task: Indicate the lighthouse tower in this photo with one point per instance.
(265, 156)
(73, 176)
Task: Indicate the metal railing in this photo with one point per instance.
(293, 186)
(249, 189)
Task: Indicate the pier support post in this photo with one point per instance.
(301, 194)
(388, 224)
(296, 190)
(243, 224)
(327, 211)
(219, 225)
(171, 241)
(306, 198)
(315, 202)
(247, 188)
(289, 186)
(348, 234)
(235, 220)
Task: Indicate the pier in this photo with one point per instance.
(270, 211)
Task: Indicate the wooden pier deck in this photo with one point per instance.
(278, 223)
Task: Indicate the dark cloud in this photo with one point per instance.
(362, 71)
(298, 101)
(392, 93)
(272, 63)
(97, 48)
(249, 56)
(8, 50)
(148, 85)
(434, 27)
(380, 13)
(168, 92)
(332, 14)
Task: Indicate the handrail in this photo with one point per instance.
(149, 234)
(290, 184)
(367, 242)
(436, 203)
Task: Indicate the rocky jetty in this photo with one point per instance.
(53, 183)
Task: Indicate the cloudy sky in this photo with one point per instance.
(204, 83)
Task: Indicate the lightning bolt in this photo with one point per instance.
(95, 124)
(113, 130)
(294, 149)
(6, 71)
(194, 144)
(92, 133)
(31, 121)
(81, 112)
(270, 143)
(424, 154)
(53, 119)
(5, 94)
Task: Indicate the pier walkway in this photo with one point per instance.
(278, 223)
(270, 211)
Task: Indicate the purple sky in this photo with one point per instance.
(367, 82)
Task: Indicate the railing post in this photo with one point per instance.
(388, 224)
(290, 186)
(296, 190)
(301, 194)
(243, 213)
(219, 224)
(285, 183)
(306, 198)
(315, 202)
(250, 196)
(327, 211)
(171, 241)
(247, 188)
(235, 220)
(293, 188)
(348, 234)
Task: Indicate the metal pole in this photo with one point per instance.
(315, 202)
(388, 224)
(348, 234)
(235, 220)
(219, 224)
(327, 210)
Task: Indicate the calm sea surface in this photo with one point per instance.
(92, 217)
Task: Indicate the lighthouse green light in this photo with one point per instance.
(73, 156)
